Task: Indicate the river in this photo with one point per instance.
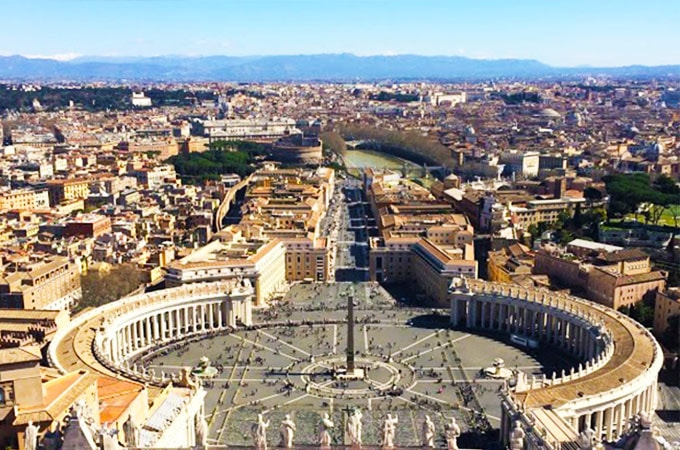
(375, 160)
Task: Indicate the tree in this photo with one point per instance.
(671, 335)
(674, 210)
(334, 142)
(533, 231)
(102, 288)
(592, 195)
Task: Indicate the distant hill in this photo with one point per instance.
(331, 67)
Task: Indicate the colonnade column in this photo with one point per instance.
(157, 326)
(598, 425)
(149, 331)
(609, 419)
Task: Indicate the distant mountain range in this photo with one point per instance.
(326, 67)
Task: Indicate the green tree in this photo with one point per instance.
(592, 195)
(671, 336)
(333, 141)
(102, 288)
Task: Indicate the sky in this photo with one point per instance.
(557, 32)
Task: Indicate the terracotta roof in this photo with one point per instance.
(58, 395)
(623, 255)
(115, 397)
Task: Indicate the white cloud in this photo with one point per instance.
(57, 56)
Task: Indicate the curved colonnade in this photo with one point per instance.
(104, 339)
(615, 379)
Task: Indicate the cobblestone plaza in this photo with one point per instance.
(415, 365)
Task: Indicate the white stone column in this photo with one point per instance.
(134, 342)
(621, 415)
(599, 420)
(172, 323)
(157, 326)
(149, 333)
(220, 317)
(609, 418)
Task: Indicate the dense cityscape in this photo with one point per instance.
(464, 261)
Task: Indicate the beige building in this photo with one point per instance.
(262, 262)
(29, 393)
(667, 305)
(307, 259)
(52, 283)
(435, 267)
(514, 264)
(25, 199)
(432, 267)
(613, 278)
(67, 190)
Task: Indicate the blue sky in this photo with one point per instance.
(557, 32)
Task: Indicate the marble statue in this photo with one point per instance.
(108, 437)
(31, 436)
(389, 430)
(287, 431)
(517, 437)
(428, 432)
(201, 431)
(353, 428)
(261, 432)
(452, 431)
(131, 431)
(325, 430)
(586, 439)
(186, 379)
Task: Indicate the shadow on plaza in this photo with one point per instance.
(430, 321)
(350, 274)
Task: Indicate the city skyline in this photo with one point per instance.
(604, 34)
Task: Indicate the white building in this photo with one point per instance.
(139, 99)
(230, 129)
(521, 164)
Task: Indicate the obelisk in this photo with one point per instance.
(350, 335)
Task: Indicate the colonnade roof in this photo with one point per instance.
(634, 353)
(74, 349)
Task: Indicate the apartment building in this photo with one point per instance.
(307, 259)
(521, 164)
(67, 190)
(25, 199)
(511, 264)
(614, 278)
(87, 225)
(435, 267)
(666, 305)
(52, 283)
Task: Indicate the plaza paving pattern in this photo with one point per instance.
(436, 369)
